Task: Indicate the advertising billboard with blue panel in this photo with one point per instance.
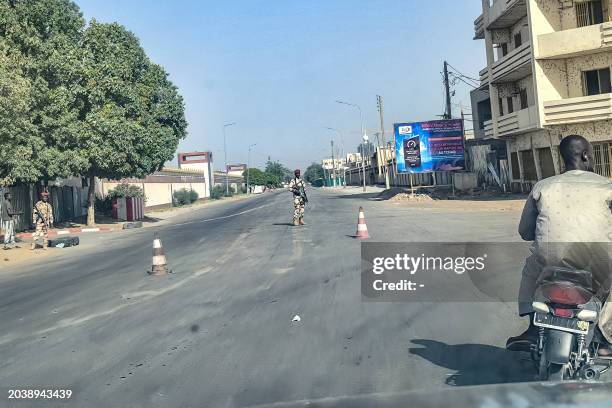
(435, 145)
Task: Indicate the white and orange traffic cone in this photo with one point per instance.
(362, 228)
(160, 266)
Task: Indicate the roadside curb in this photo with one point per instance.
(119, 227)
(68, 231)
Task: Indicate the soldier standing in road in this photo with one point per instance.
(42, 217)
(298, 188)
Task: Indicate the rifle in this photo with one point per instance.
(301, 191)
(40, 217)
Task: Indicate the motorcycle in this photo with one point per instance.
(567, 307)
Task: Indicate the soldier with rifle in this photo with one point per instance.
(42, 217)
(298, 188)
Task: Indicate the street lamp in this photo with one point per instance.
(341, 153)
(365, 137)
(249, 166)
(225, 155)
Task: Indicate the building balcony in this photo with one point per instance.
(514, 66)
(506, 13)
(517, 122)
(576, 110)
(513, 123)
(488, 128)
(479, 28)
(575, 42)
(484, 77)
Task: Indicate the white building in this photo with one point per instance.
(547, 75)
(199, 161)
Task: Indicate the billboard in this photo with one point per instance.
(436, 145)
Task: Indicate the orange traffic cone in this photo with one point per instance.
(362, 228)
(160, 267)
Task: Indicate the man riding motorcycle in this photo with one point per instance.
(574, 207)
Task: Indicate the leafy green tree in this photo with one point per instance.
(273, 180)
(80, 100)
(280, 172)
(256, 177)
(126, 190)
(315, 174)
(132, 115)
(39, 77)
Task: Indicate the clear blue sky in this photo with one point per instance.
(275, 67)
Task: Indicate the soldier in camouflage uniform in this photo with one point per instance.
(42, 217)
(298, 188)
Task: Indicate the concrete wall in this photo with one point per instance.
(157, 194)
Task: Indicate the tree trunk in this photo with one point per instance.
(91, 201)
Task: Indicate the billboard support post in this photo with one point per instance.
(411, 186)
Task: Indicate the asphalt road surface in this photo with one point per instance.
(218, 331)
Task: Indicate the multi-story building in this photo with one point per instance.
(547, 76)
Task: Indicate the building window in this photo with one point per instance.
(484, 112)
(547, 166)
(529, 169)
(602, 153)
(523, 98)
(514, 163)
(589, 13)
(597, 81)
(504, 49)
(518, 40)
(501, 107)
(510, 104)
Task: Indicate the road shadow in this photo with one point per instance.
(476, 364)
(285, 224)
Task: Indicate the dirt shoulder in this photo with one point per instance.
(23, 255)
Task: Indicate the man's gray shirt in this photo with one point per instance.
(564, 210)
(7, 211)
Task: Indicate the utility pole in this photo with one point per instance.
(365, 139)
(249, 167)
(333, 165)
(340, 154)
(447, 112)
(225, 157)
(384, 140)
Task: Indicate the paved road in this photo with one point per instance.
(218, 332)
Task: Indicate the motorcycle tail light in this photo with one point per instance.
(566, 294)
(563, 312)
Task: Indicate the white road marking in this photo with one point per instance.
(225, 216)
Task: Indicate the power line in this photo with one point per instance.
(463, 75)
(465, 82)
